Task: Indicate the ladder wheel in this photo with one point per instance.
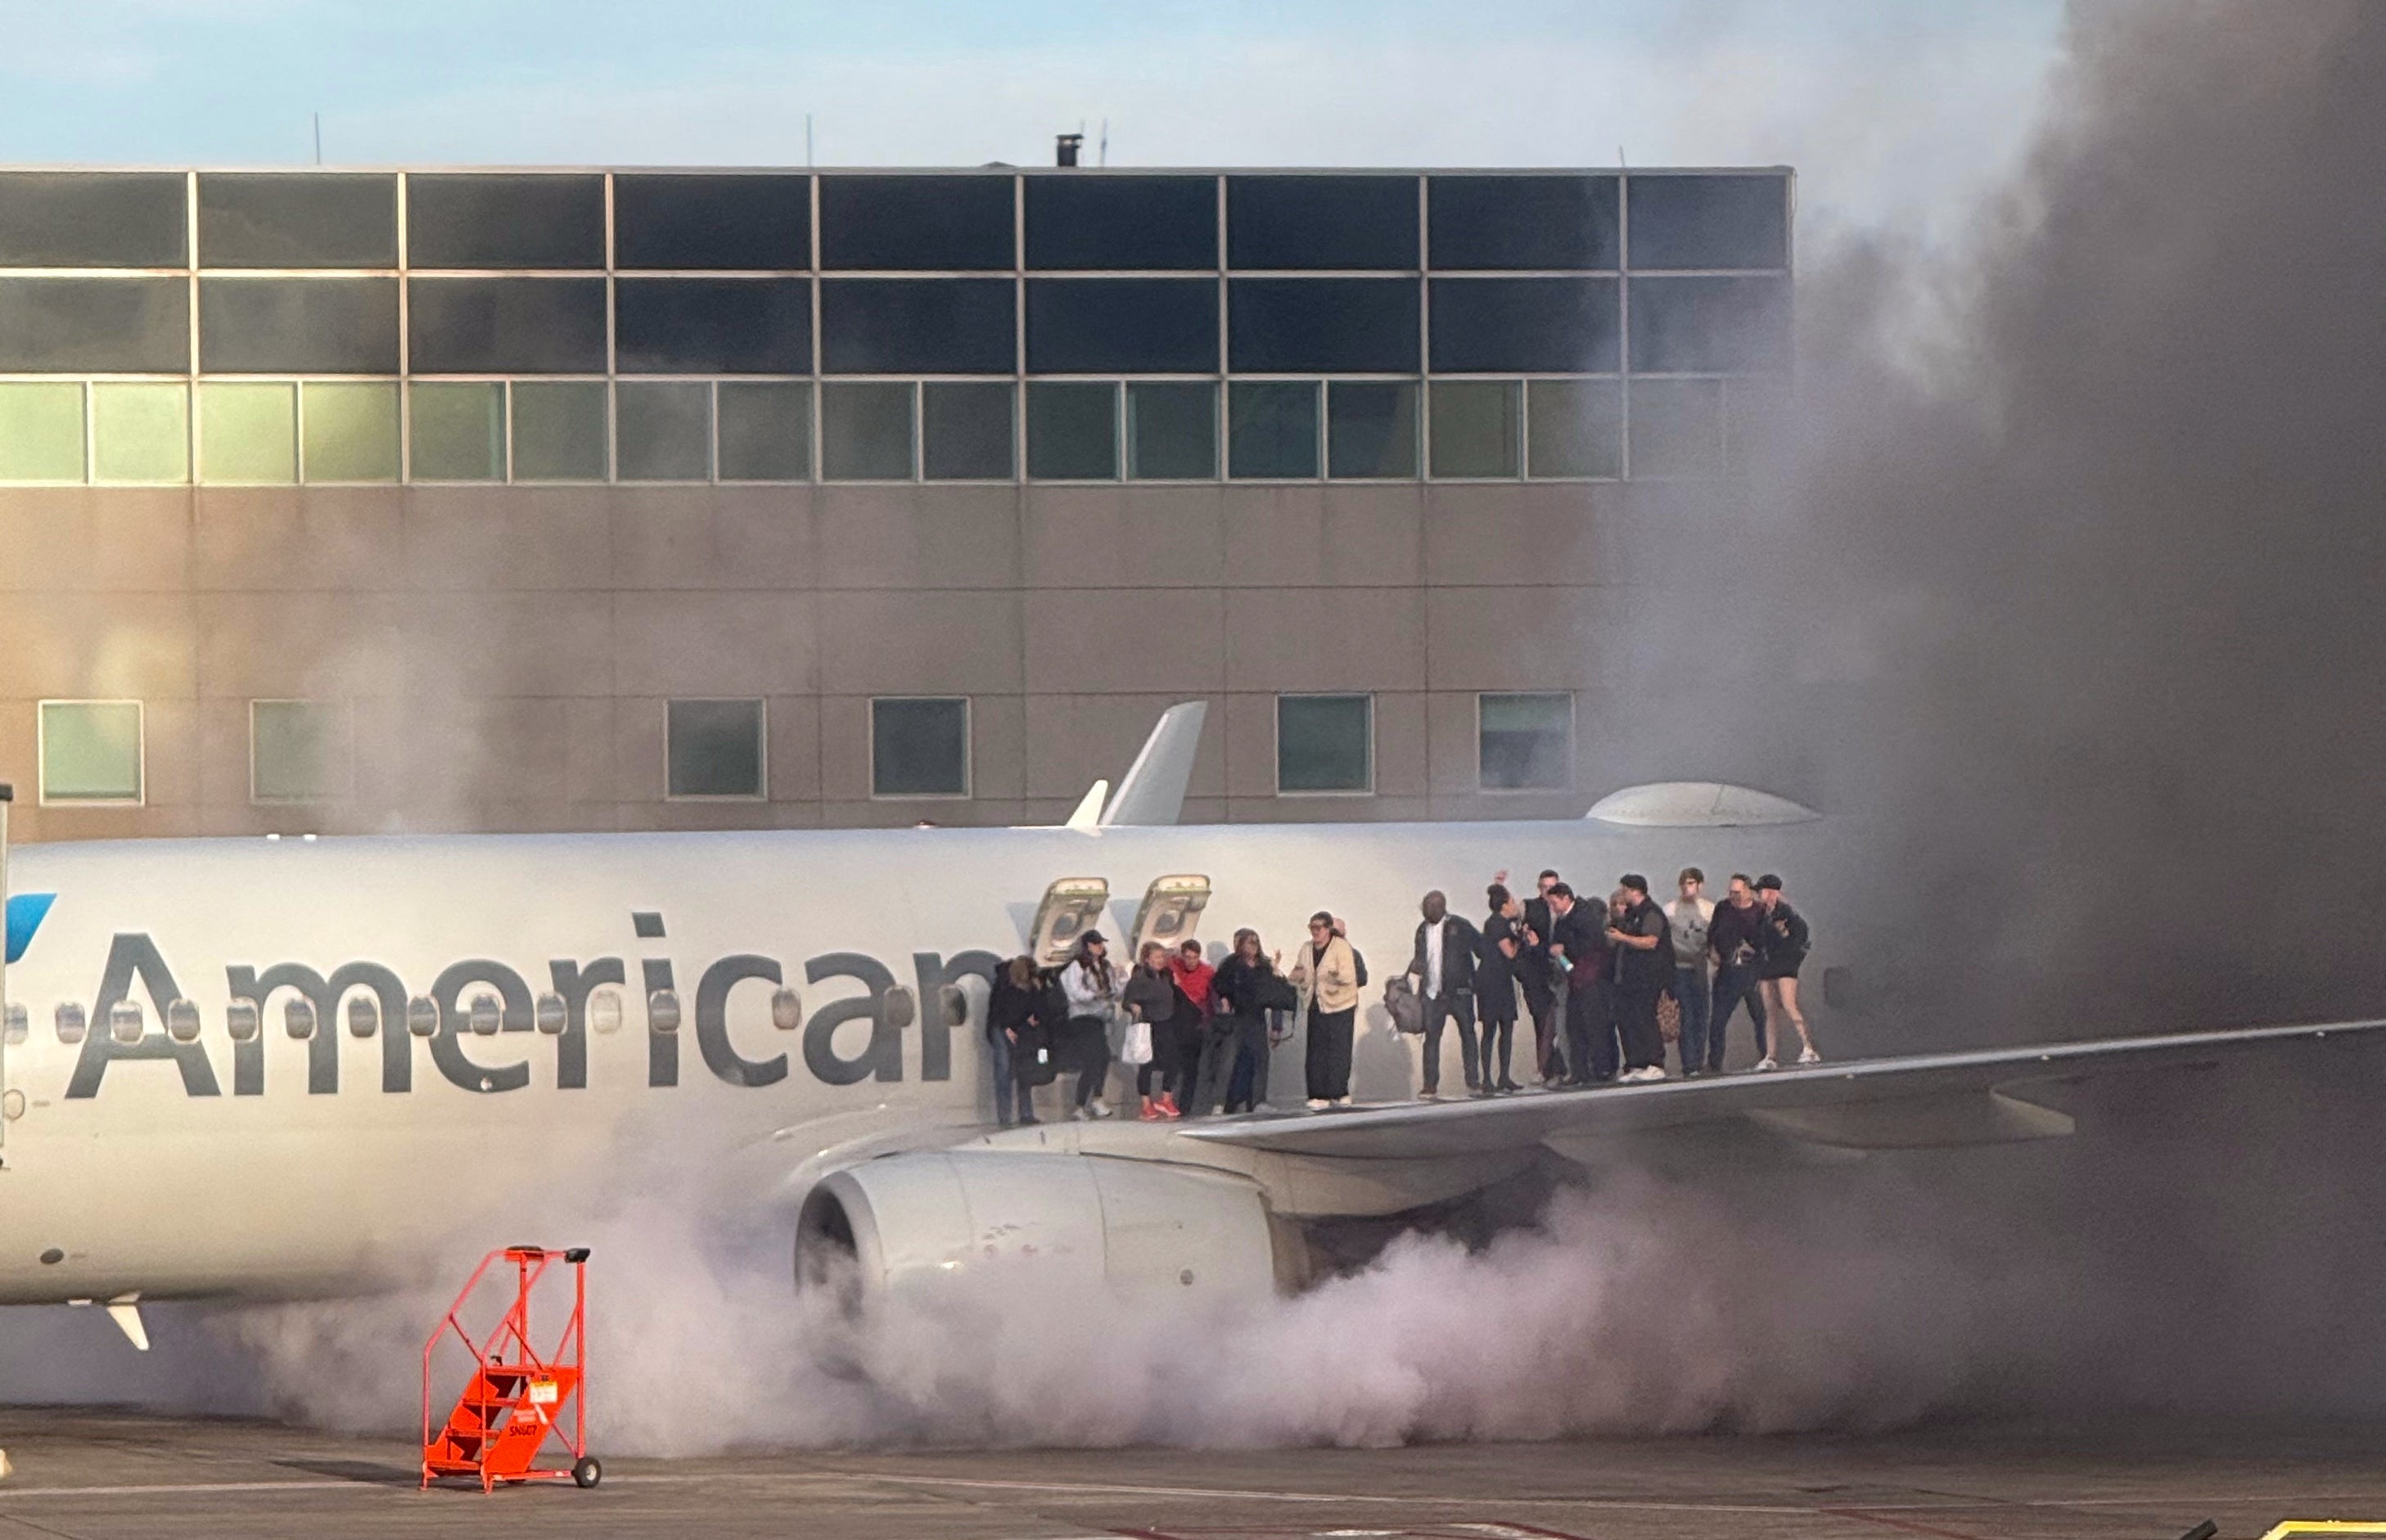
(587, 1473)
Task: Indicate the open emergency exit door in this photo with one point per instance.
(1070, 908)
(1170, 911)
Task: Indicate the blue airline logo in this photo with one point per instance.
(25, 914)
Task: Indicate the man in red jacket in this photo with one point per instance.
(1193, 978)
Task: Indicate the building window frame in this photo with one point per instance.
(969, 750)
(140, 797)
(1484, 786)
(345, 720)
(1368, 788)
(761, 792)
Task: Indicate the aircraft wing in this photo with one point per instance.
(1922, 1101)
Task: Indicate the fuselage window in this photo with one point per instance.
(125, 1022)
(605, 1010)
(364, 1016)
(485, 1015)
(552, 1015)
(422, 1016)
(298, 1018)
(662, 1010)
(70, 1022)
(240, 1020)
(786, 1009)
(183, 1021)
(19, 1023)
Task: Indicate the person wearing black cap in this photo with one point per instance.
(1092, 987)
(1779, 953)
(1644, 971)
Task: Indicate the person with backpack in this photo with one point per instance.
(1328, 974)
(1015, 1039)
(1783, 941)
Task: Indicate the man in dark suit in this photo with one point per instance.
(1539, 979)
(1578, 945)
(1443, 966)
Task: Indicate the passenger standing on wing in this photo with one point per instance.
(1443, 966)
(1093, 988)
(1578, 952)
(1732, 938)
(1013, 1037)
(1193, 980)
(1245, 988)
(1326, 973)
(1644, 971)
(1150, 998)
(1779, 955)
(1686, 919)
(1495, 986)
(1539, 975)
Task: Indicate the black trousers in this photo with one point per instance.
(1590, 1029)
(1438, 1010)
(1089, 1047)
(1635, 1023)
(1499, 1043)
(1734, 985)
(1329, 1053)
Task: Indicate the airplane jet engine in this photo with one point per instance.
(901, 1221)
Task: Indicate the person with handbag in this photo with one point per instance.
(1151, 999)
(1092, 987)
(1326, 973)
(1443, 966)
(1016, 1040)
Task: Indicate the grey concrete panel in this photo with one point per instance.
(298, 645)
(719, 643)
(1312, 639)
(912, 643)
(75, 646)
(293, 537)
(1521, 534)
(508, 538)
(918, 536)
(1518, 638)
(1324, 535)
(1142, 641)
(1126, 536)
(513, 644)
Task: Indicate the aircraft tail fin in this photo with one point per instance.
(1088, 816)
(1154, 789)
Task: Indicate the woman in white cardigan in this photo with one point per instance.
(1326, 972)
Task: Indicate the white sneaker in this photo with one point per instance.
(1643, 1075)
(1810, 1056)
(1079, 1115)
(1342, 1101)
(1101, 1109)
(1428, 1096)
(1318, 1104)
(1766, 1063)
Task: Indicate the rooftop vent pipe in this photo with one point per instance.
(1065, 148)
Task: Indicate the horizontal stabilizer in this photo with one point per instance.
(1154, 792)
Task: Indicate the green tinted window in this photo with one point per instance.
(458, 432)
(663, 433)
(351, 431)
(919, 747)
(1575, 428)
(90, 751)
(300, 750)
(965, 432)
(1325, 743)
(714, 747)
(766, 431)
(249, 435)
(558, 431)
(1525, 743)
(1371, 429)
(141, 433)
(41, 431)
(1475, 427)
(1272, 429)
(1071, 432)
(1172, 431)
(866, 432)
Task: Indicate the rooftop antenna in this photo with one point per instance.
(1102, 148)
(808, 141)
(318, 139)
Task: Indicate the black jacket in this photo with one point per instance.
(1732, 929)
(1783, 937)
(1494, 970)
(1248, 990)
(1645, 971)
(1152, 996)
(1459, 945)
(1533, 958)
(1009, 1008)
(1582, 930)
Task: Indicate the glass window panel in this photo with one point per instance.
(1121, 326)
(41, 431)
(1272, 429)
(1335, 325)
(140, 433)
(505, 220)
(558, 431)
(307, 219)
(712, 325)
(248, 433)
(1131, 222)
(1072, 431)
(91, 220)
(1525, 743)
(1325, 743)
(1521, 222)
(1528, 325)
(95, 325)
(965, 432)
(1477, 427)
(1172, 431)
(298, 325)
(506, 325)
(1710, 221)
(689, 222)
(1371, 429)
(299, 751)
(1676, 426)
(714, 747)
(765, 431)
(663, 432)
(919, 747)
(918, 326)
(917, 223)
(457, 433)
(90, 751)
(1575, 427)
(350, 430)
(1710, 325)
(866, 432)
(1313, 221)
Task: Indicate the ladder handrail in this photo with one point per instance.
(531, 1264)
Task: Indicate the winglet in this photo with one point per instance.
(1088, 816)
(1153, 790)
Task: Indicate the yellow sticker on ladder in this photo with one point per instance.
(543, 1393)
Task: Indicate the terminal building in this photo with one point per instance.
(636, 499)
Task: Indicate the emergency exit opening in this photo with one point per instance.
(1170, 911)
(1070, 908)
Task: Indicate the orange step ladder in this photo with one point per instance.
(516, 1400)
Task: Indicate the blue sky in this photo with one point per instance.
(1896, 112)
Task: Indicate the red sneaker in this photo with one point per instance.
(1150, 1114)
(1168, 1108)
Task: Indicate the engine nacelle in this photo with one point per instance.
(1135, 1225)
